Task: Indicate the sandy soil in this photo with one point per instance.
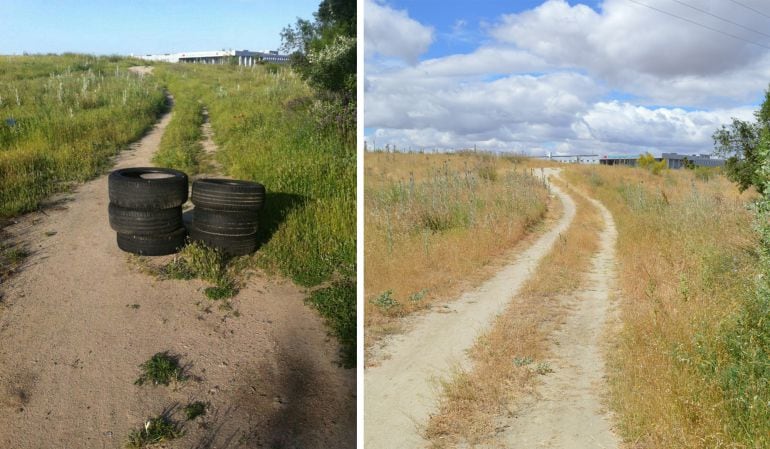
(78, 320)
(141, 69)
(400, 391)
(567, 412)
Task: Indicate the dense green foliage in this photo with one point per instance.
(744, 373)
(740, 143)
(62, 118)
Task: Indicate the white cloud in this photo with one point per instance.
(645, 52)
(623, 79)
(392, 33)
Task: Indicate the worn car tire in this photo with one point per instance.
(153, 245)
(234, 245)
(225, 222)
(228, 194)
(137, 221)
(147, 188)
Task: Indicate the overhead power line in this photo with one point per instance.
(721, 18)
(750, 8)
(716, 30)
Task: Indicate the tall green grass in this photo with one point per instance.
(180, 146)
(271, 127)
(61, 120)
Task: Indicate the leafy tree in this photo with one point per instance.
(744, 144)
(324, 51)
(648, 161)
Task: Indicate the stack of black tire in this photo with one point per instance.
(146, 209)
(225, 214)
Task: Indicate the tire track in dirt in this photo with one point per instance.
(78, 320)
(567, 412)
(401, 392)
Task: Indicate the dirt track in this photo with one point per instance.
(568, 413)
(78, 320)
(401, 391)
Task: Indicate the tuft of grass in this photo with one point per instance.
(522, 361)
(161, 369)
(216, 293)
(337, 304)
(194, 410)
(385, 301)
(155, 431)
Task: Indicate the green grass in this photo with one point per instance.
(155, 431)
(271, 127)
(180, 146)
(161, 369)
(61, 120)
(194, 410)
(338, 304)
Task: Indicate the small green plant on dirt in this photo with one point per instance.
(543, 368)
(522, 361)
(162, 369)
(156, 430)
(386, 301)
(215, 293)
(10, 259)
(418, 296)
(194, 410)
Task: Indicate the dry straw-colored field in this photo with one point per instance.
(433, 222)
(681, 370)
(508, 357)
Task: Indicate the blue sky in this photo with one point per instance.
(606, 76)
(145, 26)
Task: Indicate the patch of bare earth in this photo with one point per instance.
(79, 320)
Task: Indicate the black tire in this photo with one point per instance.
(228, 194)
(147, 188)
(153, 245)
(225, 222)
(234, 245)
(144, 222)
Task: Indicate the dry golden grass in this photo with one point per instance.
(505, 359)
(433, 222)
(686, 256)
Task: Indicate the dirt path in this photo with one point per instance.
(78, 320)
(401, 391)
(568, 412)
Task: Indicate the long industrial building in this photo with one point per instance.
(243, 57)
(673, 160)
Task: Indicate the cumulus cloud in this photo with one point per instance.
(644, 51)
(568, 78)
(392, 33)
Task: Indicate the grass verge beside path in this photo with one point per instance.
(508, 358)
(683, 372)
(433, 222)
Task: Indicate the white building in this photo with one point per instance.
(244, 57)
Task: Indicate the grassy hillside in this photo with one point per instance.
(684, 372)
(271, 127)
(62, 118)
